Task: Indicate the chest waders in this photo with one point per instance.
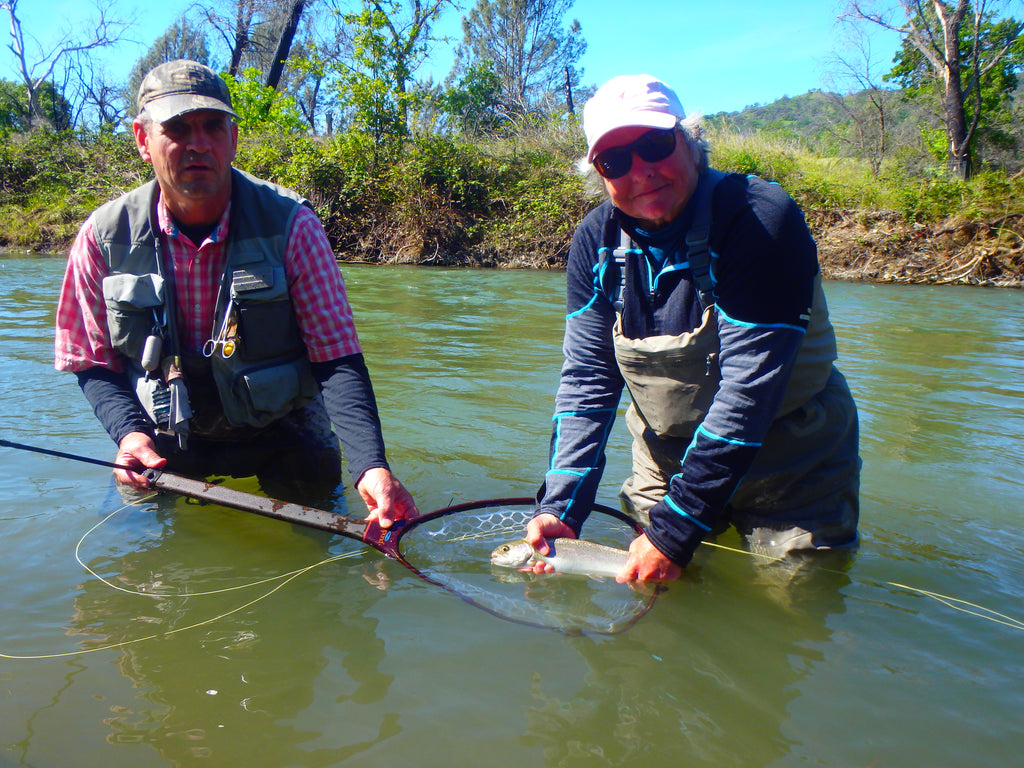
(803, 485)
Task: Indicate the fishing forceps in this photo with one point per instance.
(226, 338)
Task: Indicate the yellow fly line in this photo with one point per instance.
(972, 609)
(284, 579)
(964, 606)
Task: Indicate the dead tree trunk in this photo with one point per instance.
(284, 45)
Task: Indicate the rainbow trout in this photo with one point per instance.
(582, 557)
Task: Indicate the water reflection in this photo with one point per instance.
(709, 683)
(732, 666)
(201, 691)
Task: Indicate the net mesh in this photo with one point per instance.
(453, 550)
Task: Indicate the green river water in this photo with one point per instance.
(357, 662)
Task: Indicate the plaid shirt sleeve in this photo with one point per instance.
(318, 292)
(82, 340)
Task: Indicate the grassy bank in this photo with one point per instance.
(515, 202)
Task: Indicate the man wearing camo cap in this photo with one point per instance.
(206, 319)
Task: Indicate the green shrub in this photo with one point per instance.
(436, 199)
(754, 156)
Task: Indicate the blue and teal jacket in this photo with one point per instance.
(764, 270)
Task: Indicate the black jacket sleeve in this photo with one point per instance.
(113, 402)
(352, 409)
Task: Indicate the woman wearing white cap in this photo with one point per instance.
(701, 293)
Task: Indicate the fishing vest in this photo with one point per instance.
(269, 375)
(672, 380)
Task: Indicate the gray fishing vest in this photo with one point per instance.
(269, 374)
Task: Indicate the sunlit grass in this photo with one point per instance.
(513, 198)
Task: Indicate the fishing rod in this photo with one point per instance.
(63, 455)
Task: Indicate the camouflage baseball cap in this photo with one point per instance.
(181, 86)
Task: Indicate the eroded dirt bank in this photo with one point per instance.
(881, 247)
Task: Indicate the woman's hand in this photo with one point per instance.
(647, 563)
(541, 528)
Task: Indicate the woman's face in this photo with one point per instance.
(653, 193)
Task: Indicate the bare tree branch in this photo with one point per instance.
(36, 70)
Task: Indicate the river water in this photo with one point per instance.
(171, 633)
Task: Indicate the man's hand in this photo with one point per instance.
(647, 563)
(385, 497)
(137, 450)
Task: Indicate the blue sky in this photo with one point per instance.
(719, 56)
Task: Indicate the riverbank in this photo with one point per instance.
(514, 203)
(882, 247)
(867, 246)
(852, 245)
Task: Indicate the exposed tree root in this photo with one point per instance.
(881, 247)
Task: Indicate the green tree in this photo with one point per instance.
(967, 54)
(530, 50)
(15, 114)
(182, 40)
(260, 108)
(391, 39)
(474, 103)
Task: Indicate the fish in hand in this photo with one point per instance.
(576, 556)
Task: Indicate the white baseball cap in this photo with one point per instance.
(629, 100)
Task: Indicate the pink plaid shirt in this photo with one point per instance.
(314, 282)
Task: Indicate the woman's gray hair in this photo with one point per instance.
(693, 134)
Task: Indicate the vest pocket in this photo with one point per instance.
(131, 301)
(261, 394)
(267, 328)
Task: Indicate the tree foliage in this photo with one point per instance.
(473, 105)
(14, 107)
(991, 53)
(527, 45)
(391, 40)
(260, 108)
(964, 53)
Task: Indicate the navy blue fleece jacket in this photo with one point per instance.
(763, 264)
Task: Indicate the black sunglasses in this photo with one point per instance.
(652, 146)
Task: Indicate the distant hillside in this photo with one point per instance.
(804, 115)
(824, 123)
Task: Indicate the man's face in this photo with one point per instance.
(191, 156)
